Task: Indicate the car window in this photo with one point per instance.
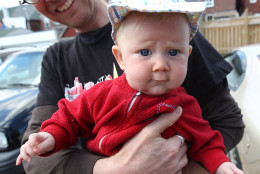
(237, 60)
(21, 69)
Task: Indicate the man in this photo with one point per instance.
(89, 58)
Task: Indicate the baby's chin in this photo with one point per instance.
(156, 92)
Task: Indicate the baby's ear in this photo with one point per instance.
(190, 49)
(118, 55)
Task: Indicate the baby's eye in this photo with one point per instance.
(145, 52)
(173, 52)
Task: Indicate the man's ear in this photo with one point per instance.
(190, 49)
(118, 55)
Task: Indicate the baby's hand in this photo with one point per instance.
(38, 143)
(228, 168)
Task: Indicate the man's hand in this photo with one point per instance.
(147, 152)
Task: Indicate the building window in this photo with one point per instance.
(210, 3)
(252, 1)
(209, 17)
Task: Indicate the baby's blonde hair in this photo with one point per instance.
(143, 15)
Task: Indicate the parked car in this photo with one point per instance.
(19, 79)
(244, 82)
(7, 51)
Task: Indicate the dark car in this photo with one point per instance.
(19, 80)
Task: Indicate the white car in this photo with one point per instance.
(7, 51)
(244, 82)
(22, 67)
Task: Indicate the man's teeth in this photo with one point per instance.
(65, 6)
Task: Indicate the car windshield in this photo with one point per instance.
(22, 69)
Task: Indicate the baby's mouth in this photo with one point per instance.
(65, 7)
(160, 80)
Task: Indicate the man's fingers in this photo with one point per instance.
(181, 158)
(177, 140)
(163, 122)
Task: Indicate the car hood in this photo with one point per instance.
(16, 106)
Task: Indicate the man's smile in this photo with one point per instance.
(65, 6)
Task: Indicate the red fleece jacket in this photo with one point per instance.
(111, 112)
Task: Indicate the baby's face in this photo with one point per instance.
(154, 53)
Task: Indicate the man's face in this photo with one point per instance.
(73, 13)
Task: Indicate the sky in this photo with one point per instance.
(9, 3)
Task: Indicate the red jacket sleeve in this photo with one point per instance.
(68, 122)
(207, 145)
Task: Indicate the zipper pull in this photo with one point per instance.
(138, 93)
(133, 100)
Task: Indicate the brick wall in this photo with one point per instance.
(221, 5)
(252, 7)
